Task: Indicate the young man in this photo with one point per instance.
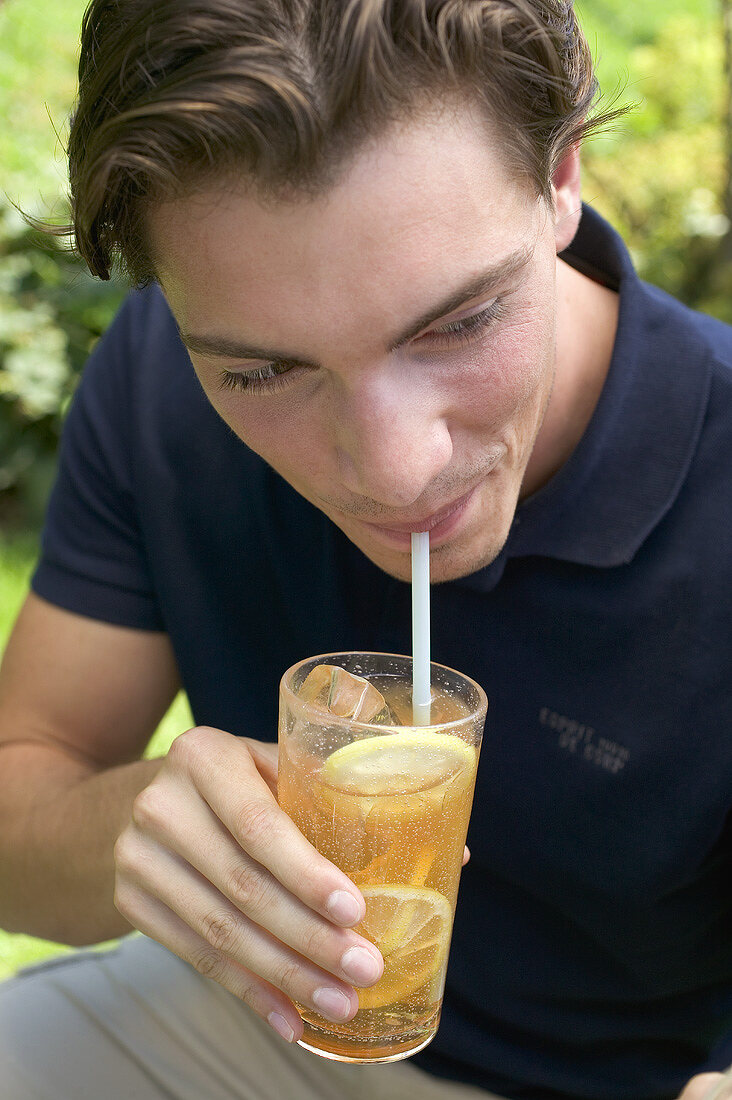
(360, 225)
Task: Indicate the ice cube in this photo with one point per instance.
(340, 692)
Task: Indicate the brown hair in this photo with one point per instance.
(175, 93)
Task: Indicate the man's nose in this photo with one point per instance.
(392, 440)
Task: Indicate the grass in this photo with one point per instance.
(17, 557)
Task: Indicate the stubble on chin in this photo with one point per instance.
(450, 563)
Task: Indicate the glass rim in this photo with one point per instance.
(294, 702)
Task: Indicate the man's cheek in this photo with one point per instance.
(264, 425)
(302, 456)
(511, 379)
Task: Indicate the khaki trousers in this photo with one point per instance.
(137, 1023)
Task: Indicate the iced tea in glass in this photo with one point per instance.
(388, 802)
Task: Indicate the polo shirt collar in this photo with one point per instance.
(627, 469)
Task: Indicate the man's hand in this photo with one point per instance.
(214, 870)
(704, 1084)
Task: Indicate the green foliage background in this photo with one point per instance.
(658, 176)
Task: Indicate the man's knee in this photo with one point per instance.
(16, 1085)
(16, 1043)
(35, 1027)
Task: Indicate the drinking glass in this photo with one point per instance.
(388, 802)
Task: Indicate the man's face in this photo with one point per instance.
(388, 347)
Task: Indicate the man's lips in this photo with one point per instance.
(441, 524)
(423, 523)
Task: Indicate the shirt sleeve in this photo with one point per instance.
(93, 558)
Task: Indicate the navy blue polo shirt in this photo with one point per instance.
(592, 954)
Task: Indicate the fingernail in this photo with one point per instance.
(332, 1004)
(360, 966)
(344, 908)
(281, 1026)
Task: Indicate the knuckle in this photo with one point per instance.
(148, 808)
(248, 990)
(220, 931)
(317, 941)
(291, 978)
(190, 746)
(208, 962)
(699, 1086)
(246, 888)
(122, 900)
(123, 854)
(254, 823)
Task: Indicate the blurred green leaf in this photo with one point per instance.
(661, 179)
(51, 314)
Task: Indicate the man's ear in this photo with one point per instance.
(566, 195)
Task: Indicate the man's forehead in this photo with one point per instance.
(409, 226)
(402, 292)
(208, 342)
(433, 182)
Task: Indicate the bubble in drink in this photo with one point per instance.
(392, 812)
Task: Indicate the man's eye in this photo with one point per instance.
(268, 378)
(460, 331)
(273, 376)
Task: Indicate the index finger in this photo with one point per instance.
(242, 800)
(266, 758)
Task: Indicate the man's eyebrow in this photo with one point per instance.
(476, 285)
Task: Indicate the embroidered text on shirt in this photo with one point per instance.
(582, 740)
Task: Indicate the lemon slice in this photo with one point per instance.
(411, 927)
(400, 763)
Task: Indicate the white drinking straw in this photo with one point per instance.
(421, 694)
